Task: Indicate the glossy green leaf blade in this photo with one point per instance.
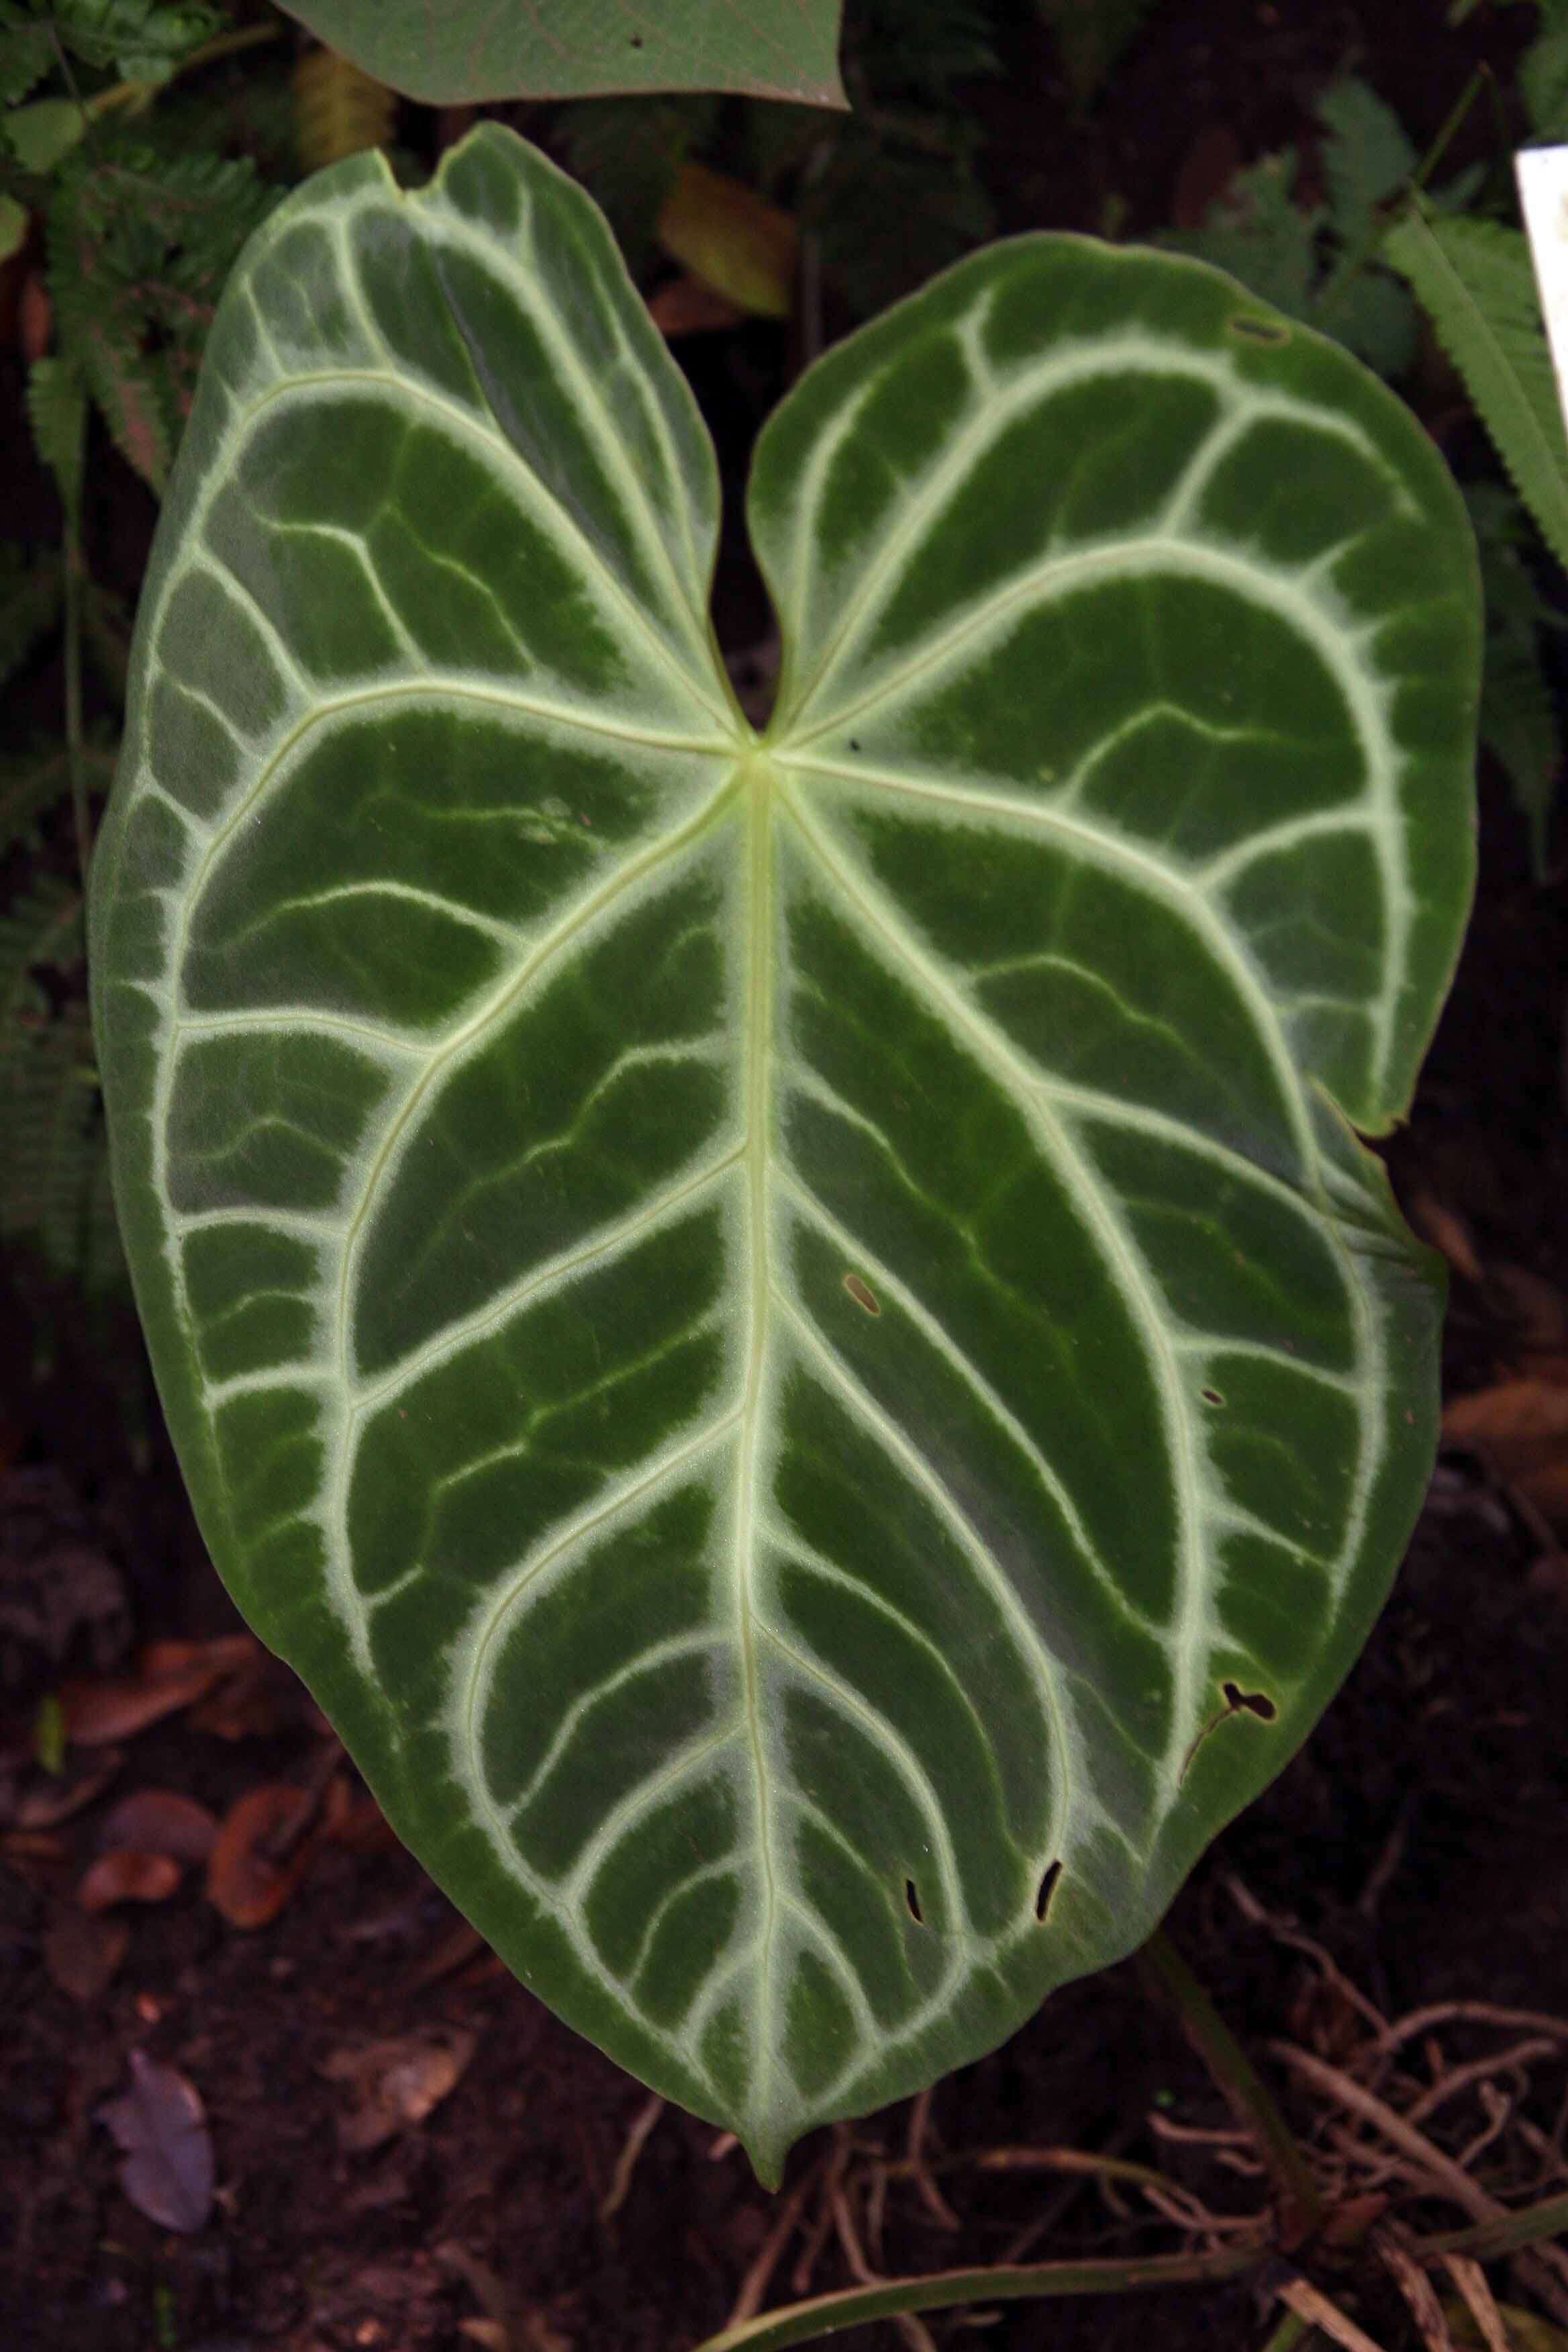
(772, 1325)
(1123, 773)
(576, 48)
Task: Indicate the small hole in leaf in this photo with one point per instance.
(637, 41)
(854, 743)
(913, 1900)
(1047, 1888)
(862, 1294)
(1258, 330)
(1257, 1703)
(1211, 1396)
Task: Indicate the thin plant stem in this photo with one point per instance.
(825, 2314)
(139, 94)
(1291, 2331)
(75, 760)
(1505, 2234)
(1350, 265)
(1457, 113)
(1243, 2088)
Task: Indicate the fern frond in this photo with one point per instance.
(57, 411)
(35, 781)
(26, 53)
(1542, 72)
(1256, 232)
(339, 108)
(1092, 37)
(139, 244)
(40, 931)
(31, 589)
(142, 39)
(1517, 718)
(1518, 727)
(1474, 279)
(52, 1144)
(1366, 157)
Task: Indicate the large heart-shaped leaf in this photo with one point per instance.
(570, 48)
(792, 1334)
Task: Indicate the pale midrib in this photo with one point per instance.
(761, 920)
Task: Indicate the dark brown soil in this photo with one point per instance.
(1421, 1838)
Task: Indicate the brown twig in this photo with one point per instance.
(765, 2261)
(1468, 2012)
(1189, 2212)
(642, 2122)
(930, 2194)
(1195, 2136)
(1417, 2288)
(912, 2330)
(1284, 1931)
(830, 2172)
(1554, 2166)
(1499, 2111)
(1471, 2282)
(1053, 2209)
(1440, 2170)
(1304, 2299)
(1461, 2078)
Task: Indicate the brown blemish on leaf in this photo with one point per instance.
(861, 1292)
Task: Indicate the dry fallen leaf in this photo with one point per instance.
(117, 1706)
(397, 2083)
(127, 1876)
(258, 1858)
(55, 1798)
(730, 237)
(161, 2124)
(685, 305)
(1447, 1232)
(82, 1950)
(1521, 1427)
(159, 1820)
(456, 1946)
(1515, 1416)
(224, 1654)
(257, 1696)
(358, 1823)
(58, 1589)
(1536, 1307)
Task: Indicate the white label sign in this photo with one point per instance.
(1543, 177)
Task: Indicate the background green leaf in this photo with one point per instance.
(569, 48)
(1474, 279)
(791, 1331)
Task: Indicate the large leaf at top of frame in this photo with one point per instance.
(793, 1335)
(470, 49)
